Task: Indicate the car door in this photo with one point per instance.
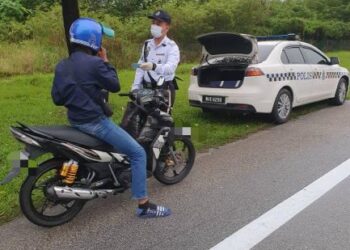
(295, 65)
(321, 68)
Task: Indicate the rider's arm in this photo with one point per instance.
(55, 94)
(107, 76)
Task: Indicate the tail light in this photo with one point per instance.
(253, 72)
(23, 138)
(194, 71)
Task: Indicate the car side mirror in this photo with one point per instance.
(334, 61)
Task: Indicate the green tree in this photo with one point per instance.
(120, 8)
(12, 10)
(41, 4)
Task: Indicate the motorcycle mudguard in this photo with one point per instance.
(159, 141)
(185, 131)
(20, 160)
(163, 135)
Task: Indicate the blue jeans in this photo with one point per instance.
(104, 129)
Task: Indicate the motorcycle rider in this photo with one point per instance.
(160, 57)
(77, 85)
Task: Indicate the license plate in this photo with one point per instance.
(214, 99)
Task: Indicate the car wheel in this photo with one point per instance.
(282, 107)
(341, 93)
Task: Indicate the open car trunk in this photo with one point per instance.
(225, 57)
(221, 77)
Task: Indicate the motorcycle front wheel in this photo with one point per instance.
(38, 206)
(176, 161)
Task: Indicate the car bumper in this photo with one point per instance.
(253, 96)
(228, 106)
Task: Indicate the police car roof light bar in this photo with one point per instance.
(287, 37)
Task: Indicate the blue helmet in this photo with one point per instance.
(88, 32)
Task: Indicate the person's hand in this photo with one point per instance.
(133, 94)
(148, 66)
(103, 54)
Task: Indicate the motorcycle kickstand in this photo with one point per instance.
(116, 182)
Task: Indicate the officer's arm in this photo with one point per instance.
(139, 74)
(107, 76)
(138, 79)
(170, 66)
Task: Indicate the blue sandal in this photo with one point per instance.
(153, 211)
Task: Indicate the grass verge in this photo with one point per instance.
(27, 99)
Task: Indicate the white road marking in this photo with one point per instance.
(259, 229)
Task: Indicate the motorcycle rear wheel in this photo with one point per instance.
(185, 154)
(61, 211)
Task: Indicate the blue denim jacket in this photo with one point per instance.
(93, 75)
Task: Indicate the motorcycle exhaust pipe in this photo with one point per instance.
(79, 193)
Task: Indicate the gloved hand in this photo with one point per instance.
(148, 66)
(134, 91)
(133, 94)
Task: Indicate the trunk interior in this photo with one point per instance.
(221, 76)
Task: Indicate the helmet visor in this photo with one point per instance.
(107, 31)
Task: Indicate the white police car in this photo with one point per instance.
(264, 75)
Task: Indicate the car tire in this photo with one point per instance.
(282, 107)
(341, 93)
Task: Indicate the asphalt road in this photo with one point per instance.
(229, 187)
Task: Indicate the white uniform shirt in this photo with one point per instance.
(166, 56)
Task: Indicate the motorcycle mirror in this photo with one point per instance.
(161, 81)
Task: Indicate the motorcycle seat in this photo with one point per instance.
(70, 134)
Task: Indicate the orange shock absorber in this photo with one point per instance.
(65, 168)
(69, 172)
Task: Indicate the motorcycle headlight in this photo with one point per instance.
(145, 99)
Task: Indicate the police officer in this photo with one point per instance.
(160, 57)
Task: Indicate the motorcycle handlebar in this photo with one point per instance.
(164, 104)
(161, 103)
(124, 94)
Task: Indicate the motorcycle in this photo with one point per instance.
(84, 168)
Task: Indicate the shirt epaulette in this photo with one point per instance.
(171, 43)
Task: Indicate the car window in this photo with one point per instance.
(294, 55)
(312, 57)
(264, 51)
(284, 58)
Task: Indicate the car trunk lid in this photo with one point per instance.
(228, 48)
